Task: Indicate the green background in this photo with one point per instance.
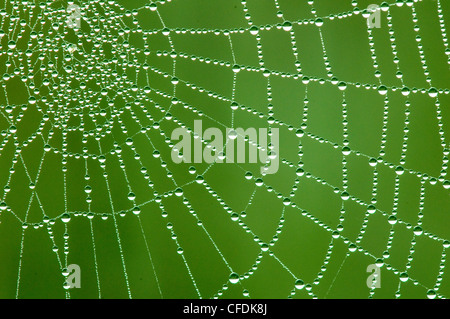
(301, 248)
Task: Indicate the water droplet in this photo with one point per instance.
(346, 150)
(232, 134)
(287, 26)
(299, 133)
(299, 284)
(404, 277)
(399, 170)
(431, 294)
(254, 30)
(65, 218)
(136, 210)
(392, 220)
(11, 44)
(417, 230)
(300, 172)
(382, 90)
(345, 196)
(446, 184)
(234, 278)
(166, 31)
(259, 182)
(406, 91)
(379, 262)
(342, 86)
(199, 179)
(433, 92)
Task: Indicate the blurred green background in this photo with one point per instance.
(122, 255)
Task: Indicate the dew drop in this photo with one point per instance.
(199, 179)
(136, 210)
(342, 86)
(371, 209)
(399, 170)
(406, 91)
(179, 192)
(433, 92)
(232, 134)
(417, 230)
(254, 30)
(11, 44)
(404, 277)
(382, 90)
(379, 262)
(318, 22)
(287, 26)
(299, 284)
(234, 278)
(65, 218)
(431, 294)
(345, 196)
(392, 220)
(446, 244)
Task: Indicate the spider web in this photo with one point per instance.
(86, 150)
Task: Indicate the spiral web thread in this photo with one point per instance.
(35, 34)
